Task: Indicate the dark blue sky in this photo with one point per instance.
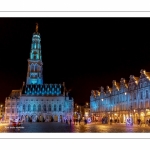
(84, 52)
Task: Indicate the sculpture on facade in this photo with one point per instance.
(92, 93)
(36, 27)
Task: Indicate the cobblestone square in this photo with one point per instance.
(56, 127)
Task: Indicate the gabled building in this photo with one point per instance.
(123, 100)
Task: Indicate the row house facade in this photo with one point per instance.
(123, 100)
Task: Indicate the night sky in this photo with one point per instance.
(85, 53)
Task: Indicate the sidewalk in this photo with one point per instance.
(119, 124)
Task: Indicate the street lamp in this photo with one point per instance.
(5, 113)
(131, 114)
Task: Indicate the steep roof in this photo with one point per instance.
(148, 74)
(15, 93)
(137, 79)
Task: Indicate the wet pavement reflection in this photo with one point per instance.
(56, 127)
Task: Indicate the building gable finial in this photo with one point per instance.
(36, 27)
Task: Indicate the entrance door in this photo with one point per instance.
(27, 118)
(56, 118)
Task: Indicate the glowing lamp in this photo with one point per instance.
(102, 99)
(134, 110)
(125, 93)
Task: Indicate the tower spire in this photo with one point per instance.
(37, 26)
(35, 69)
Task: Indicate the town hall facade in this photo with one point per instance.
(36, 101)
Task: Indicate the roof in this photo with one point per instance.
(148, 74)
(137, 78)
(118, 84)
(15, 93)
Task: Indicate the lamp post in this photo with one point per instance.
(5, 113)
(1, 110)
(131, 114)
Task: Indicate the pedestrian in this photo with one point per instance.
(110, 121)
(66, 121)
(70, 121)
(79, 121)
(149, 122)
(86, 121)
(140, 123)
(76, 121)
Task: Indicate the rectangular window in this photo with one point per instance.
(146, 104)
(141, 106)
(134, 95)
(141, 95)
(134, 104)
(130, 96)
(125, 107)
(146, 93)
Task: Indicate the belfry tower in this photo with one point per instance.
(35, 69)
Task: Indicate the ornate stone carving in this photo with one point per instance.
(97, 93)
(122, 80)
(92, 93)
(114, 82)
(107, 87)
(142, 71)
(102, 89)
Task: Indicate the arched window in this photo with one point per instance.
(29, 107)
(39, 108)
(35, 45)
(32, 67)
(34, 107)
(59, 107)
(44, 108)
(49, 108)
(24, 108)
(34, 56)
(36, 68)
(54, 107)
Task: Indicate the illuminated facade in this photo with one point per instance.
(123, 100)
(81, 111)
(36, 101)
(1, 112)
